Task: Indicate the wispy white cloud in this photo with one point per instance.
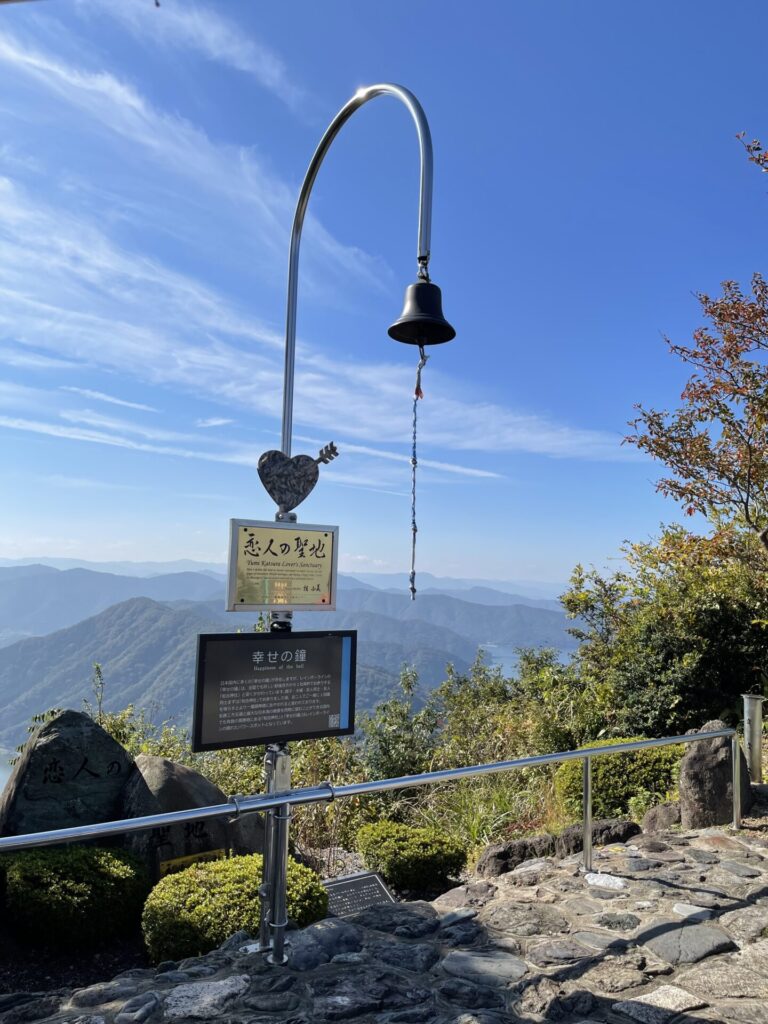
(24, 359)
(111, 399)
(122, 313)
(88, 418)
(12, 158)
(254, 196)
(380, 453)
(203, 30)
(213, 421)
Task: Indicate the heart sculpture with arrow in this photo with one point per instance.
(289, 480)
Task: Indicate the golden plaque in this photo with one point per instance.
(275, 566)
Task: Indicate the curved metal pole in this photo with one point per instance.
(425, 219)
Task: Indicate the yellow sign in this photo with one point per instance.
(282, 565)
(168, 867)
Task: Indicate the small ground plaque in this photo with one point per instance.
(350, 893)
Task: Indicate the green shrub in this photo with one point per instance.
(73, 896)
(411, 858)
(618, 778)
(195, 910)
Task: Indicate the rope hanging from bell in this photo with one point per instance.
(417, 395)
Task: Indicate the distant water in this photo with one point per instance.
(503, 655)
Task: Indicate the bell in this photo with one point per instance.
(422, 321)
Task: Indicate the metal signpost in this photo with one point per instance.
(283, 566)
(753, 734)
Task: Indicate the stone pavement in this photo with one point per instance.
(671, 928)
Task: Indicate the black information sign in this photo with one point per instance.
(351, 893)
(254, 688)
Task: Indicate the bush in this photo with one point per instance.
(195, 910)
(73, 896)
(618, 778)
(411, 858)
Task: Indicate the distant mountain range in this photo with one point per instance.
(57, 622)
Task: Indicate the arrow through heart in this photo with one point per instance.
(288, 481)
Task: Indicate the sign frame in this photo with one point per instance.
(198, 745)
(234, 604)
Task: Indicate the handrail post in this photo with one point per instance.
(753, 735)
(265, 889)
(736, 781)
(278, 881)
(586, 794)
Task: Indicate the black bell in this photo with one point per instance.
(422, 321)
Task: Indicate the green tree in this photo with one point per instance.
(676, 637)
(398, 739)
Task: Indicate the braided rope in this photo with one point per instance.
(417, 394)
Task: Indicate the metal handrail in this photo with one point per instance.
(237, 805)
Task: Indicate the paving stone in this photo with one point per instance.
(407, 920)
(702, 856)
(473, 894)
(613, 978)
(618, 922)
(335, 936)
(684, 943)
(659, 1006)
(605, 881)
(464, 933)
(469, 995)
(691, 912)
(204, 999)
(491, 968)
(754, 957)
(743, 1011)
(608, 894)
(723, 979)
(524, 919)
(138, 1009)
(740, 870)
(482, 1017)
(582, 906)
(454, 916)
(561, 951)
(602, 940)
(271, 1002)
(105, 992)
(416, 1015)
(718, 842)
(418, 957)
(341, 993)
(634, 864)
(747, 924)
(648, 844)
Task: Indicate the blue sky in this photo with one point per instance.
(587, 184)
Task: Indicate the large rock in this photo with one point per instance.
(706, 791)
(662, 817)
(157, 786)
(605, 832)
(70, 773)
(500, 858)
